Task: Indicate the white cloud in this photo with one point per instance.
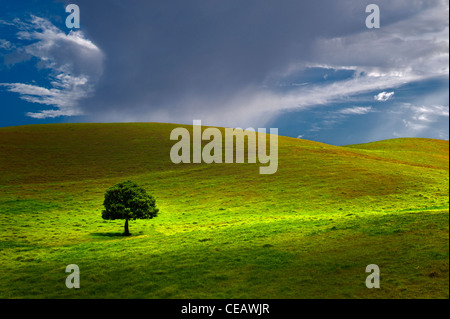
(356, 110)
(75, 65)
(383, 96)
(6, 22)
(63, 99)
(428, 114)
(413, 121)
(414, 126)
(6, 45)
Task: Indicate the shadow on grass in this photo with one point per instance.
(115, 235)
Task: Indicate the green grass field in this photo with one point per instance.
(224, 230)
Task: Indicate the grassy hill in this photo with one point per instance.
(224, 230)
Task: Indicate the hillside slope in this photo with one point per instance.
(224, 230)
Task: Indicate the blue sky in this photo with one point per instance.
(312, 69)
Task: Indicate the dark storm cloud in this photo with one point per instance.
(177, 60)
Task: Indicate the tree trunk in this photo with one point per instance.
(127, 232)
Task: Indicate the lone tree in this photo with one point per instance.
(127, 200)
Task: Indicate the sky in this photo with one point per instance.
(312, 69)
